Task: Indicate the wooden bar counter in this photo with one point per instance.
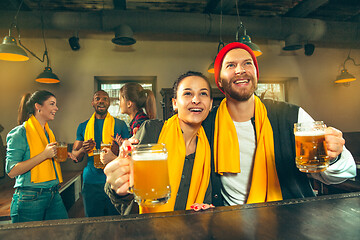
(325, 217)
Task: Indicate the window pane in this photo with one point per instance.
(275, 91)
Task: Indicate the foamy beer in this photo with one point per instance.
(62, 152)
(97, 162)
(105, 145)
(311, 152)
(150, 181)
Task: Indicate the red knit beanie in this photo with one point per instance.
(220, 57)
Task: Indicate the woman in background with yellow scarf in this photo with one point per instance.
(188, 150)
(31, 148)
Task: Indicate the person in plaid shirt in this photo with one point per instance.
(133, 99)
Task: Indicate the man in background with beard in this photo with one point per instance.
(101, 127)
(253, 143)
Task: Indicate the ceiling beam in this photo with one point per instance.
(304, 8)
(215, 6)
(164, 25)
(119, 4)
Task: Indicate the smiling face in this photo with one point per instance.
(47, 110)
(238, 75)
(192, 101)
(101, 103)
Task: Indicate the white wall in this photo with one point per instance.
(315, 91)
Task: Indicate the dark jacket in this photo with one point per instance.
(282, 116)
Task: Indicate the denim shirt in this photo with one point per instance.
(18, 150)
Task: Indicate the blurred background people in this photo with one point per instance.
(100, 128)
(133, 99)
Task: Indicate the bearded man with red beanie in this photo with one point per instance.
(253, 143)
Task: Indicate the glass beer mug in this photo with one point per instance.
(311, 152)
(97, 162)
(62, 152)
(150, 177)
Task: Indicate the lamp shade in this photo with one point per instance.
(292, 43)
(344, 77)
(211, 68)
(47, 76)
(10, 51)
(245, 39)
(123, 36)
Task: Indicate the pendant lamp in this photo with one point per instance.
(345, 76)
(242, 37)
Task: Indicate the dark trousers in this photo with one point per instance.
(96, 202)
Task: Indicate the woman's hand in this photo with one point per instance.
(201, 206)
(107, 156)
(118, 175)
(118, 172)
(118, 139)
(72, 157)
(50, 150)
(334, 142)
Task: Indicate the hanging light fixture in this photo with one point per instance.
(292, 42)
(9, 50)
(245, 39)
(211, 66)
(123, 35)
(47, 76)
(221, 44)
(345, 76)
(242, 37)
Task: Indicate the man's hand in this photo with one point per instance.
(88, 145)
(334, 142)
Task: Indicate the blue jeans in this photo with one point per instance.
(37, 204)
(96, 202)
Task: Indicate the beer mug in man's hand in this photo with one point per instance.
(311, 152)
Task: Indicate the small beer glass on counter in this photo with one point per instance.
(311, 152)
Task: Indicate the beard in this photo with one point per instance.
(101, 112)
(243, 94)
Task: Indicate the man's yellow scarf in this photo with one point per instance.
(108, 130)
(172, 136)
(37, 141)
(265, 185)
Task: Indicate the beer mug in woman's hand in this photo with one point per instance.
(149, 168)
(310, 146)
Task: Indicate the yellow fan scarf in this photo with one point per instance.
(265, 185)
(107, 132)
(172, 136)
(37, 141)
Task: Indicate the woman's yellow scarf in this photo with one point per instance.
(37, 141)
(265, 185)
(107, 132)
(172, 136)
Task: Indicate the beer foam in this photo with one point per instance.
(149, 156)
(310, 133)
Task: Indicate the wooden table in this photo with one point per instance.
(325, 217)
